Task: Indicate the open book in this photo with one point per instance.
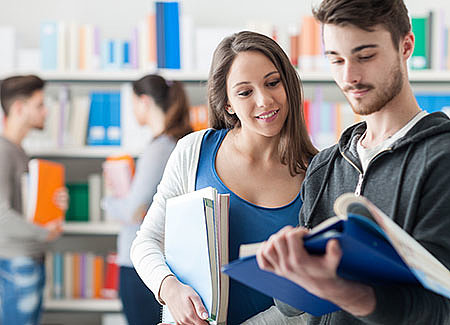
(375, 251)
(38, 191)
(196, 247)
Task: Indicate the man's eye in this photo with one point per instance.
(368, 57)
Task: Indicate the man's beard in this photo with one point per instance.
(382, 98)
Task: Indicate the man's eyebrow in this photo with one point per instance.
(355, 50)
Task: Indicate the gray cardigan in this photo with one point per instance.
(410, 182)
(18, 237)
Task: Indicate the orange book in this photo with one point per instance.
(118, 172)
(198, 116)
(309, 43)
(82, 49)
(76, 273)
(152, 38)
(45, 178)
(98, 276)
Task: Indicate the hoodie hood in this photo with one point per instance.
(430, 125)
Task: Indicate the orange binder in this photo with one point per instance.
(45, 178)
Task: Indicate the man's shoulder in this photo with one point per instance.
(323, 157)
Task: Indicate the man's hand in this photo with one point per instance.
(284, 254)
(61, 198)
(54, 230)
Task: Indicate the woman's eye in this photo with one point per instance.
(244, 93)
(273, 83)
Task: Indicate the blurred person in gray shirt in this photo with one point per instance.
(22, 243)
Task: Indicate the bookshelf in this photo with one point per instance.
(91, 228)
(83, 305)
(79, 152)
(82, 161)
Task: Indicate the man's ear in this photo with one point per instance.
(17, 108)
(407, 46)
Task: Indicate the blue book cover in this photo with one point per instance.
(112, 119)
(58, 283)
(96, 126)
(160, 38)
(433, 102)
(49, 45)
(368, 257)
(126, 54)
(172, 35)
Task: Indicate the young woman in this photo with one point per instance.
(257, 150)
(163, 106)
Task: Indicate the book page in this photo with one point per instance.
(427, 269)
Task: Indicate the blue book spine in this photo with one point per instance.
(113, 130)
(49, 45)
(126, 54)
(172, 35)
(96, 127)
(160, 47)
(118, 54)
(58, 275)
(104, 54)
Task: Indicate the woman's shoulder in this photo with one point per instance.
(192, 138)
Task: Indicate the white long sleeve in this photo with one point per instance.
(147, 250)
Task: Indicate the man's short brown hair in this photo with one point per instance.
(365, 14)
(18, 87)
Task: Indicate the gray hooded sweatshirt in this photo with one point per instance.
(410, 182)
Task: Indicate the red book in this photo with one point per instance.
(111, 286)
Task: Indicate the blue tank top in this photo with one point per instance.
(248, 223)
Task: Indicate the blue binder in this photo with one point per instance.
(368, 257)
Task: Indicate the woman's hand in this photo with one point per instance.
(183, 302)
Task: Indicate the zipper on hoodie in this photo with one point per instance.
(359, 185)
(361, 174)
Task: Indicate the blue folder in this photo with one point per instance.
(368, 257)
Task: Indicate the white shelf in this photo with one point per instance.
(113, 75)
(91, 228)
(196, 76)
(99, 305)
(81, 152)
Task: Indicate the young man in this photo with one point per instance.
(399, 158)
(22, 244)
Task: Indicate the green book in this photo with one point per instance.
(78, 202)
(420, 58)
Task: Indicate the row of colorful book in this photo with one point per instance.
(155, 42)
(431, 51)
(166, 37)
(81, 275)
(327, 120)
(96, 118)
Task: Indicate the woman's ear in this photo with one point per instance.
(229, 109)
(147, 100)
